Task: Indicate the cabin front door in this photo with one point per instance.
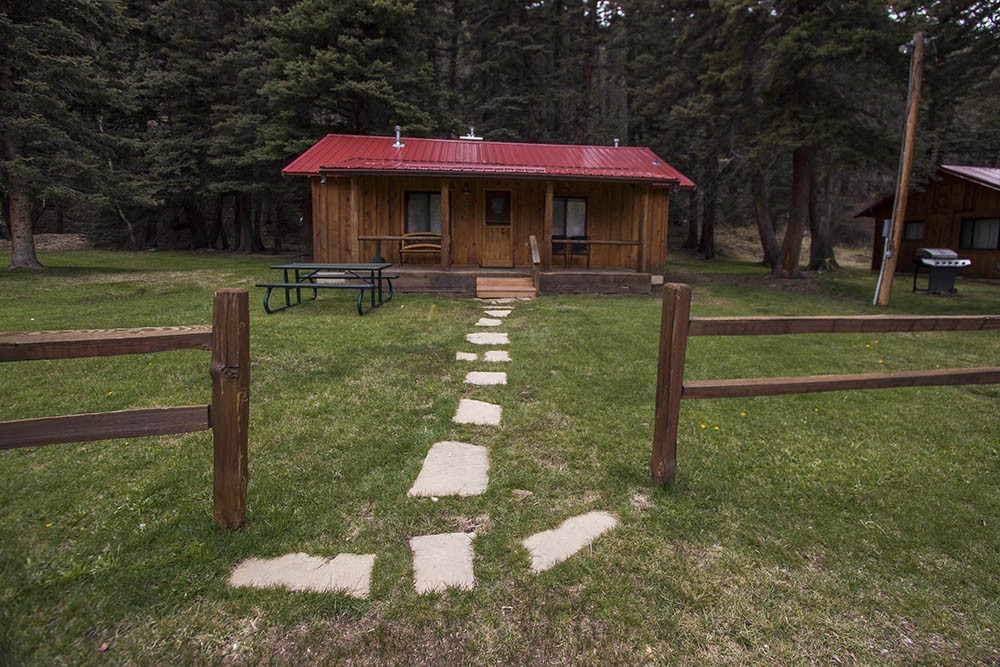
(498, 239)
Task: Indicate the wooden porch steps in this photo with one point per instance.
(504, 288)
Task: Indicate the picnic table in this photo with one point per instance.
(301, 276)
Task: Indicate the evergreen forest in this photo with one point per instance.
(139, 119)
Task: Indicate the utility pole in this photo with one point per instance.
(891, 252)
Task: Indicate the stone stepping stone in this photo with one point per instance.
(497, 355)
(498, 313)
(551, 547)
(346, 573)
(488, 322)
(477, 412)
(466, 356)
(453, 469)
(442, 561)
(488, 338)
(485, 378)
(499, 301)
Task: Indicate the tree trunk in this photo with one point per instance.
(243, 224)
(706, 245)
(762, 216)
(60, 219)
(22, 243)
(217, 232)
(258, 211)
(279, 213)
(694, 218)
(791, 246)
(195, 219)
(821, 249)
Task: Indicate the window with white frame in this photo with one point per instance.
(569, 217)
(423, 212)
(980, 234)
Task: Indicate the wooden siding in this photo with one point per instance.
(942, 207)
(374, 205)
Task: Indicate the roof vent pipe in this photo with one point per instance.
(616, 142)
(398, 144)
(471, 136)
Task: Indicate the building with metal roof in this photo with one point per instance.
(958, 209)
(466, 204)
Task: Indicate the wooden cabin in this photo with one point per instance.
(959, 209)
(445, 211)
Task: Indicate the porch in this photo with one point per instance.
(462, 280)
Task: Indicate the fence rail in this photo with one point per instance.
(228, 415)
(677, 325)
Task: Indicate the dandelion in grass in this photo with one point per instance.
(743, 413)
(715, 428)
(48, 525)
(881, 361)
(704, 425)
(111, 393)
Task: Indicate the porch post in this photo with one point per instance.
(445, 224)
(547, 229)
(642, 262)
(353, 244)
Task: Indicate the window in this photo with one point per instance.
(569, 217)
(913, 230)
(980, 234)
(423, 212)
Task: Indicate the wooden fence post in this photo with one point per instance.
(674, 324)
(230, 411)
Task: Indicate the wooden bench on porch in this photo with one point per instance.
(419, 243)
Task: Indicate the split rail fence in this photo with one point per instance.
(677, 325)
(228, 414)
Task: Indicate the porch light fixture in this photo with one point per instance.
(322, 179)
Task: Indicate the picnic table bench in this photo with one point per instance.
(370, 278)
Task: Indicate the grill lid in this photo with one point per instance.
(936, 253)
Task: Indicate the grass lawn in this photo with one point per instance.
(857, 528)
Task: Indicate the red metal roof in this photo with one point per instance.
(986, 176)
(341, 153)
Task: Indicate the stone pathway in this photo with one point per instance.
(471, 411)
(442, 561)
(551, 547)
(450, 468)
(347, 573)
(453, 469)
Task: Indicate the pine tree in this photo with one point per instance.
(50, 88)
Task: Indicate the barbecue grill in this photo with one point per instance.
(942, 265)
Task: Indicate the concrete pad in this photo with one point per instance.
(497, 355)
(498, 313)
(453, 469)
(488, 322)
(554, 546)
(477, 412)
(488, 338)
(485, 378)
(347, 573)
(499, 301)
(466, 356)
(442, 561)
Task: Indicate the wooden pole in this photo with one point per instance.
(891, 254)
(230, 411)
(674, 323)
